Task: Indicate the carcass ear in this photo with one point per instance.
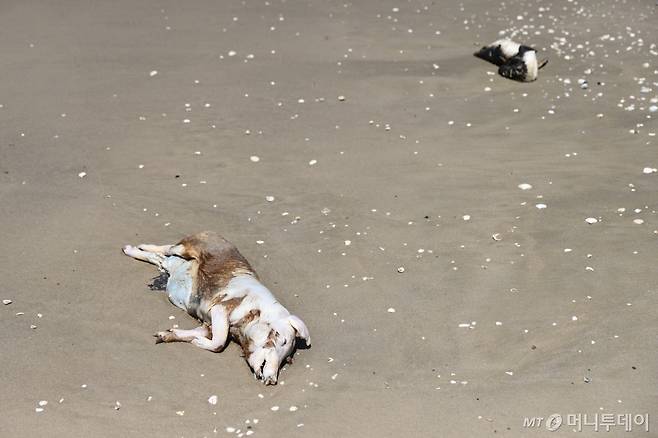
(300, 328)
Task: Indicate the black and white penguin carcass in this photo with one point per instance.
(515, 61)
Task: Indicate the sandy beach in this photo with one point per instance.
(468, 252)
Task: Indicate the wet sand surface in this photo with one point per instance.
(393, 156)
